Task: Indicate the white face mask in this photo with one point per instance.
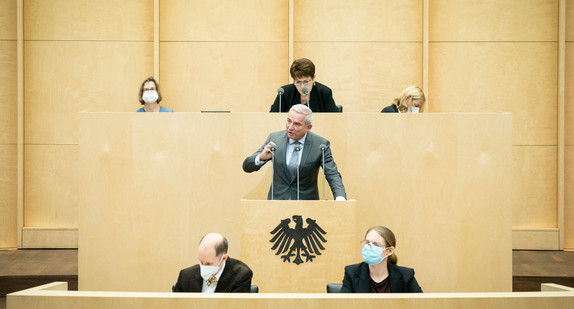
(208, 271)
(414, 110)
(150, 96)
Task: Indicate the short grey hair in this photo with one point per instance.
(303, 109)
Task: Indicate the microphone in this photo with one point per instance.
(280, 92)
(306, 93)
(297, 149)
(323, 147)
(273, 149)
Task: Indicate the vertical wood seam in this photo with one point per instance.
(561, 116)
(20, 142)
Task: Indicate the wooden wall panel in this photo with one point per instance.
(8, 88)
(442, 166)
(8, 126)
(224, 20)
(8, 20)
(8, 194)
(350, 21)
(198, 76)
(502, 20)
(569, 95)
(515, 77)
(64, 78)
(364, 77)
(534, 187)
(130, 20)
(569, 20)
(51, 182)
(569, 197)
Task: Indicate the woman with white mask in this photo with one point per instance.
(412, 100)
(379, 273)
(149, 97)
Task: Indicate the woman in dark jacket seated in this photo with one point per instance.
(304, 90)
(379, 273)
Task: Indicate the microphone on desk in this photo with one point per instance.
(297, 149)
(280, 92)
(306, 93)
(323, 147)
(273, 149)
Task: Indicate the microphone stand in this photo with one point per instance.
(272, 148)
(297, 149)
(323, 151)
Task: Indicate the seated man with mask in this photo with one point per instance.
(216, 271)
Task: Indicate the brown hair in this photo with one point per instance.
(389, 238)
(149, 79)
(302, 68)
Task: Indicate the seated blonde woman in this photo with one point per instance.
(412, 100)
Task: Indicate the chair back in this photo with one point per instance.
(334, 287)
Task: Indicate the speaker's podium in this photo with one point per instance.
(298, 246)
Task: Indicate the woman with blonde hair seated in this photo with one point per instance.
(412, 100)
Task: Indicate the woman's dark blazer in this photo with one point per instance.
(320, 99)
(357, 279)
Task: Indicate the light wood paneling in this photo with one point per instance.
(41, 237)
(569, 197)
(536, 239)
(335, 218)
(224, 20)
(8, 194)
(200, 76)
(64, 78)
(51, 182)
(373, 74)
(569, 95)
(8, 20)
(88, 20)
(372, 20)
(8, 88)
(515, 77)
(569, 20)
(503, 20)
(437, 167)
(534, 187)
(55, 295)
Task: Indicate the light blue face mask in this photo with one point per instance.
(372, 254)
(414, 110)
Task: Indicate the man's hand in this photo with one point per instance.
(266, 153)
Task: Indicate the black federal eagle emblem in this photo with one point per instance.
(298, 241)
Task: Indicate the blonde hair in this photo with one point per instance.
(413, 92)
(389, 238)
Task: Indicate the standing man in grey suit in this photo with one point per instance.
(288, 162)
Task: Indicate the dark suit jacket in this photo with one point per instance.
(236, 277)
(393, 108)
(311, 161)
(357, 279)
(320, 99)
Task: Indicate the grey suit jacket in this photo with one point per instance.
(311, 161)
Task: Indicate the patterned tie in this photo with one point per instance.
(294, 161)
(211, 280)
